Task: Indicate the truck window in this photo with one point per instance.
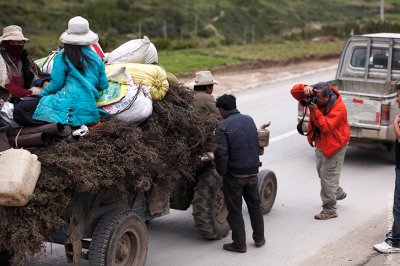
(396, 59)
(378, 58)
(358, 57)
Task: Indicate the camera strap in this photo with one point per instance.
(300, 125)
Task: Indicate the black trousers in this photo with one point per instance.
(24, 110)
(393, 237)
(234, 189)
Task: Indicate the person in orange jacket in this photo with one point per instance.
(329, 131)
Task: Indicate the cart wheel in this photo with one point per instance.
(209, 208)
(267, 187)
(119, 239)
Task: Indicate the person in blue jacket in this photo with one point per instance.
(237, 161)
(77, 76)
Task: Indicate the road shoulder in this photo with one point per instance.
(241, 79)
(356, 247)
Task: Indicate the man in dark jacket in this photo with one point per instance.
(237, 160)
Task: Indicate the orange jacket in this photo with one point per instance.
(334, 127)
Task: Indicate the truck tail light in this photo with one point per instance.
(385, 114)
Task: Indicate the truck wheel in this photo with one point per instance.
(209, 209)
(120, 238)
(267, 187)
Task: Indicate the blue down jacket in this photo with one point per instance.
(70, 98)
(238, 150)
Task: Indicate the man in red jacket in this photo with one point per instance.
(329, 131)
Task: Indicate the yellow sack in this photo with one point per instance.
(148, 75)
(172, 79)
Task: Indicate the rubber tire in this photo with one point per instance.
(209, 208)
(115, 226)
(267, 187)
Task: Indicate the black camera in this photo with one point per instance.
(310, 99)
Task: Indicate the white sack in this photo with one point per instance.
(130, 52)
(136, 106)
(6, 113)
(151, 55)
(140, 110)
(48, 64)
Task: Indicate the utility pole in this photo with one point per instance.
(181, 33)
(196, 19)
(245, 35)
(165, 29)
(140, 30)
(382, 11)
(253, 33)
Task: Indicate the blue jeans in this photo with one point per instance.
(393, 237)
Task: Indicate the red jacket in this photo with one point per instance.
(334, 127)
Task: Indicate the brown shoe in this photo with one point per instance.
(325, 215)
(260, 243)
(342, 197)
(232, 247)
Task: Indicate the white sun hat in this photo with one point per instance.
(204, 78)
(78, 32)
(13, 33)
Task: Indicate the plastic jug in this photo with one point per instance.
(19, 172)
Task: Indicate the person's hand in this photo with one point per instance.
(45, 84)
(308, 90)
(313, 106)
(35, 90)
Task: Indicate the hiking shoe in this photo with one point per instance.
(325, 215)
(232, 247)
(386, 248)
(342, 197)
(260, 243)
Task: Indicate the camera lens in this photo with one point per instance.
(310, 99)
(305, 102)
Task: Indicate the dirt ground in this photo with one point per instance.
(249, 75)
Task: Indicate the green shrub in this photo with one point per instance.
(184, 44)
(162, 44)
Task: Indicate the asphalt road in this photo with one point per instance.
(293, 236)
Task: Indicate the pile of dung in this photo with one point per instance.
(162, 150)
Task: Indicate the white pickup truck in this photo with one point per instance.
(367, 75)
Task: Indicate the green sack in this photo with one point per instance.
(114, 93)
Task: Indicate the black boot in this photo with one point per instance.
(234, 248)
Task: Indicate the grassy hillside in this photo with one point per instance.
(197, 24)
(207, 33)
(184, 61)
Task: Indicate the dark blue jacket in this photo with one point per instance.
(237, 151)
